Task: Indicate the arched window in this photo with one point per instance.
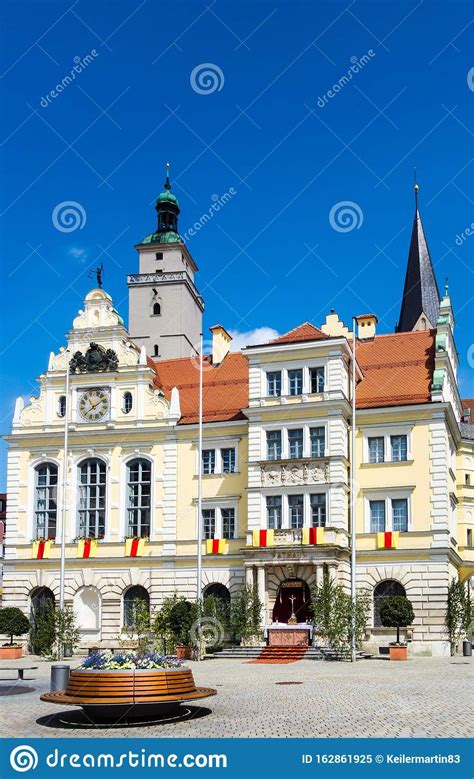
(138, 497)
(218, 591)
(46, 496)
(62, 406)
(155, 350)
(127, 402)
(385, 589)
(156, 309)
(135, 599)
(41, 632)
(92, 496)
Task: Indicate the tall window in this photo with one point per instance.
(62, 406)
(46, 486)
(208, 461)
(274, 444)
(318, 510)
(295, 442)
(295, 381)
(400, 514)
(209, 522)
(385, 589)
(377, 516)
(92, 495)
(228, 523)
(274, 384)
(138, 497)
(127, 402)
(274, 512)
(318, 441)
(156, 351)
(156, 309)
(376, 449)
(228, 460)
(399, 447)
(316, 377)
(295, 508)
(135, 601)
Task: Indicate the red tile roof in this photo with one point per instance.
(225, 387)
(469, 403)
(397, 370)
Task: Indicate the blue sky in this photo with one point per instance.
(263, 126)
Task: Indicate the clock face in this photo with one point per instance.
(94, 404)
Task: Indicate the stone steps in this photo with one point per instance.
(312, 653)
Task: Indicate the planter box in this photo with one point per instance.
(184, 652)
(11, 652)
(398, 652)
(112, 695)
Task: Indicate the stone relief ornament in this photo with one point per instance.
(294, 474)
(94, 360)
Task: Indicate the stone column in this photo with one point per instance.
(319, 570)
(262, 591)
(249, 581)
(332, 570)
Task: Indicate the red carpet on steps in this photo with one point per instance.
(280, 654)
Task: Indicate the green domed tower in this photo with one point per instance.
(167, 208)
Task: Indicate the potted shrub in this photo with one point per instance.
(397, 612)
(182, 617)
(467, 624)
(12, 623)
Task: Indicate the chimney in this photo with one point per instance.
(366, 326)
(221, 341)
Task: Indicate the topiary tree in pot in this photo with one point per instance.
(396, 611)
(12, 623)
(182, 618)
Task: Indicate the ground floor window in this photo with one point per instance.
(135, 599)
(385, 589)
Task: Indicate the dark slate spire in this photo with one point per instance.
(420, 294)
(167, 208)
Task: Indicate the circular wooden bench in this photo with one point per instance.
(128, 693)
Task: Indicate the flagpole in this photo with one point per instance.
(353, 496)
(199, 501)
(62, 569)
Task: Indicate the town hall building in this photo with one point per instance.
(276, 458)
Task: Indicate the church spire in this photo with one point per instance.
(421, 298)
(167, 208)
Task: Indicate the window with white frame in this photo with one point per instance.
(208, 461)
(92, 496)
(228, 460)
(387, 446)
(295, 381)
(62, 406)
(209, 522)
(316, 379)
(318, 510)
(376, 449)
(296, 510)
(318, 441)
(274, 512)
(387, 513)
(127, 402)
(274, 384)
(273, 444)
(138, 498)
(399, 447)
(46, 505)
(219, 522)
(295, 442)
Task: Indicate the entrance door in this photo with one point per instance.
(288, 589)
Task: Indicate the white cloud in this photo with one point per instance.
(79, 253)
(258, 336)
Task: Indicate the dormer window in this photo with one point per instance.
(62, 406)
(127, 402)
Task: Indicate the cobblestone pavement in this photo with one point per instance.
(429, 697)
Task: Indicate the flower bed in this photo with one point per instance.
(128, 661)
